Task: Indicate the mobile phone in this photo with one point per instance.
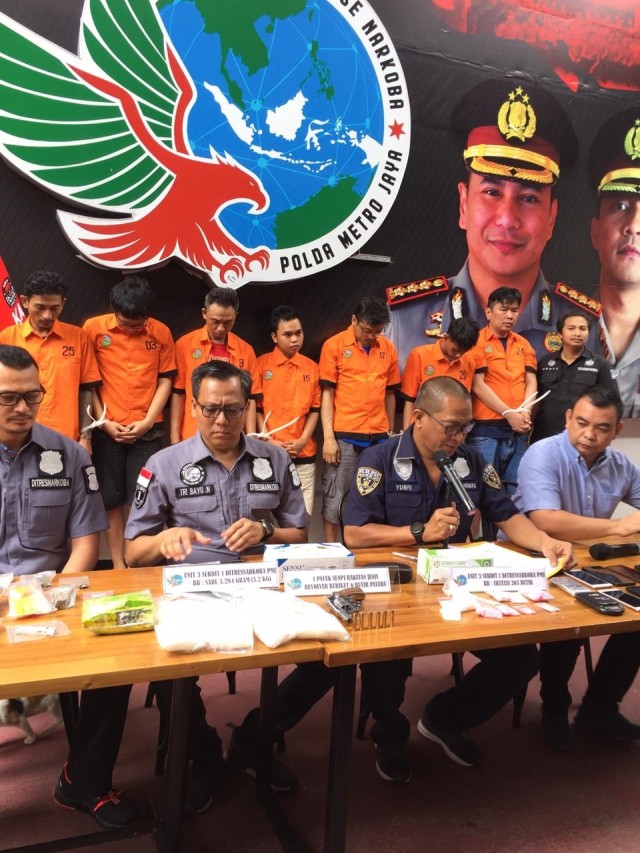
(625, 597)
(615, 578)
(567, 584)
(588, 578)
(624, 576)
(600, 602)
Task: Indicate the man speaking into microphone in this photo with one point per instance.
(401, 497)
(571, 483)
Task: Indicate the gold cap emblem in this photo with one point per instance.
(516, 117)
(632, 141)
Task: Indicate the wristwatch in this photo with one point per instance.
(268, 528)
(417, 529)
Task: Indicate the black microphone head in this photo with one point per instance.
(601, 551)
(442, 459)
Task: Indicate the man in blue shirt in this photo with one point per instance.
(400, 498)
(572, 483)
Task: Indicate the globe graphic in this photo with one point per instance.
(290, 93)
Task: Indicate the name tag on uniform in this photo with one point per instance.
(194, 491)
(50, 482)
(264, 487)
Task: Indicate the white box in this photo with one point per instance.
(437, 565)
(312, 555)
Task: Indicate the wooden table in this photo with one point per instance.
(419, 630)
(83, 660)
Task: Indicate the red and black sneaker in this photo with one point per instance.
(112, 810)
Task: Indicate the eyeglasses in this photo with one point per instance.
(368, 331)
(12, 398)
(450, 429)
(231, 413)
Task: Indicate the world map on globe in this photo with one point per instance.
(288, 89)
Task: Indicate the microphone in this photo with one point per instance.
(445, 464)
(602, 551)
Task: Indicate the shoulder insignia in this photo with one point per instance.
(587, 303)
(491, 477)
(367, 480)
(416, 290)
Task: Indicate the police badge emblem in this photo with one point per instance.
(261, 467)
(461, 467)
(192, 474)
(367, 480)
(403, 468)
(50, 462)
(491, 477)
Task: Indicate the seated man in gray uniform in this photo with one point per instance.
(51, 516)
(210, 498)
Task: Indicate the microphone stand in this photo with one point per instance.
(447, 501)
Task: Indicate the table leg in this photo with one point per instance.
(335, 826)
(177, 760)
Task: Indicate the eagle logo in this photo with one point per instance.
(108, 130)
(258, 146)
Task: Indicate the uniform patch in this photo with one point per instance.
(261, 468)
(50, 482)
(430, 370)
(461, 467)
(295, 477)
(348, 353)
(368, 480)
(403, 468)
(192, 474)
(51, 462)
(194, 491)
(491, 477)
(552, 341)
(544, 308)
(142, 487)
(105, 341)
(268, 374)
(457, 304)
(90, 479)
(264, 487)
(196, 353)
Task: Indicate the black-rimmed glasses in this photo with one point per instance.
(231, 413)
(12, 398)
(450, 429)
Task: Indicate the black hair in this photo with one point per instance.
(562, 320)
(464, 333)
(225, 296)
(223, 371)
(132, 298)
(602, 398)
(506, 295)
(282, 314)
(45, 283)
(372, 310)
(16, 358)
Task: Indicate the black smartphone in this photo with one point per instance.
(625, 597)
(611, 575)
(588, 578)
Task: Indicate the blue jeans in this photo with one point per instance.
(504, 454)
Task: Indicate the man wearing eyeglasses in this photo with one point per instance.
(400, 498)
(210, 498)
(51, 516)
(359, 375)
(135, 355)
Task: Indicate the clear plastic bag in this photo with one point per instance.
(194, 622)
(278, 618)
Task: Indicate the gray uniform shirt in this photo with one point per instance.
(48, 495)
(185, 486)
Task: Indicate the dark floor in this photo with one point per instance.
(524, 798)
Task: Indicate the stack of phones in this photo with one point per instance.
(574, 582)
